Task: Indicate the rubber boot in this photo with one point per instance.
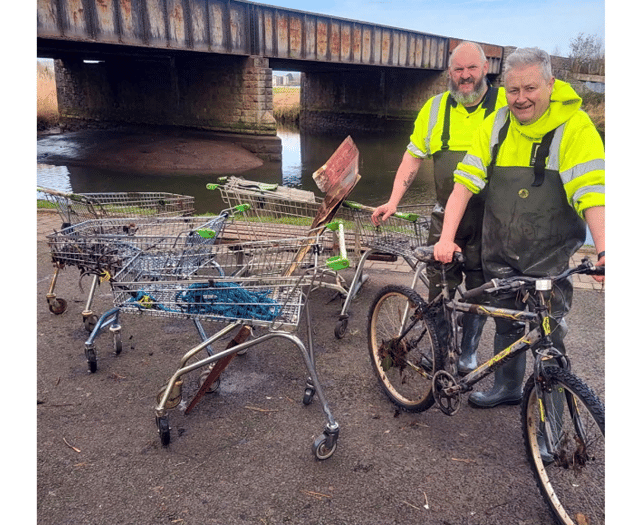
(471, 331)
(507, 387)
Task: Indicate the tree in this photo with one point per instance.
(587, 54)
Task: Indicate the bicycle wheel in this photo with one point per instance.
(403, 366)
(570, 475)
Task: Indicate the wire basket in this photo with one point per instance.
(74, 208)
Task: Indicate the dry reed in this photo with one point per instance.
(47, 110)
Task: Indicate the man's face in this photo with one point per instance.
(467, 76)
(528, 94)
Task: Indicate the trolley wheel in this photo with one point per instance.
(203, 377)
(320, 448)
(92, 361)
(341, 328)
(58, 306)
(308, 395)
(163, 430)
(117, 342)
(90, 322)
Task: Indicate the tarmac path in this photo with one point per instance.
(243, 456)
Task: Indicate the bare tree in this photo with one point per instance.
(587, 54)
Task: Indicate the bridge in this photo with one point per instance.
(207, 64)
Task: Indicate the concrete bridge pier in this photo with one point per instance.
(363, 99)
(231, 95)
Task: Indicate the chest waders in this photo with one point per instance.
(468, 235)
(529, 229)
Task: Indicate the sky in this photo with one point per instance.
(549, 25)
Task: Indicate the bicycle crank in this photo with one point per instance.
(446, 392)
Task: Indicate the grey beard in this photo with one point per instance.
(470, 98)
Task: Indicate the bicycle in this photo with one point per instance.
(562, 418)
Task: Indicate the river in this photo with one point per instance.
(302, 155)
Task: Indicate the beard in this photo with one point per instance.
(467, 98)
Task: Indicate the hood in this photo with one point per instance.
(565, 102)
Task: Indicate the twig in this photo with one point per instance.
(316, 495)
(260, 409)
(71, 447)
(407, 503)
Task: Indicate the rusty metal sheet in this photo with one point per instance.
(74, 18)
(367, 43)
(238, 29)
(198, 18)
(48, 19)
(217, 26)
(128, 33)
(345, 42)
(334, 40)
(282, 40)
(322, 48)
(356, 45)
(106, 30)
(310, 33)
(387, 38)
(177, 36)
(267, 27)
(157, 34)
(295, 37)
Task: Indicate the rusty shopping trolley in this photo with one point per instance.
(245, 284)
(104, 246)
(74, 208)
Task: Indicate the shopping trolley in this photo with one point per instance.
(278, 211)
(396, 237)
(245, 284)
(104, 246)
(75, 208)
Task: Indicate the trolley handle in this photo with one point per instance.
(407, 216)
(338, 262)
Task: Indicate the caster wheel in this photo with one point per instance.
(58, 306)
(117, 342)
(92, 361)
(203, 377)
(175, 396)
(320, 449)
(341, 328)
(308, 396)
(90, 322)
(163, 430)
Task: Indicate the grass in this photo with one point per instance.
(47, 112)
(286, 105)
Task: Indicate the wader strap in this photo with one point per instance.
(490, 100)
(502, 134)
(446, 124)
(541, 156)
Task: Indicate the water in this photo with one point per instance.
(302, 155)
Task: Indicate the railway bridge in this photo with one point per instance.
(207, 64)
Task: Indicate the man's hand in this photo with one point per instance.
(599, 278)
(443, 251)
(382, 213)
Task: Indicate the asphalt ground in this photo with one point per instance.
(243, 455)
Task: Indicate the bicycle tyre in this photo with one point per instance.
(400, 369)
(572, 481)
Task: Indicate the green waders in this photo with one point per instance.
(468, 237)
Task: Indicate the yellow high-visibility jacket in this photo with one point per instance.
(426, 138)
(576, 152)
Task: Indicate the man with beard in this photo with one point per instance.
(443, 131)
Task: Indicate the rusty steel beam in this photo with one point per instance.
(245, 28)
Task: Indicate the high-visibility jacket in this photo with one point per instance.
(576, 152)
(540, 177)
(444, 130)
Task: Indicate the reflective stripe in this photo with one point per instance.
(474, 162)
(582, 169)
(554, 149)
(476, 181)
(416, 150)
(433, 119)
(581, 192)
(501, 117)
